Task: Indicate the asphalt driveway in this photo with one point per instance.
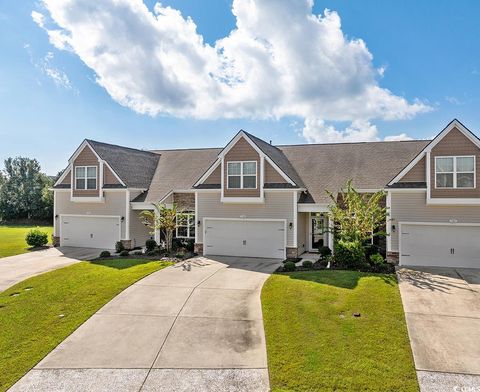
(175, 330)
(442, 309)
(14, 269)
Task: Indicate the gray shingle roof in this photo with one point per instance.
(134, 167)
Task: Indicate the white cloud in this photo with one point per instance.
(280, 60)
(396, 138)
(453, 100)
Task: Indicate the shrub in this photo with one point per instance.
(187, 243)
(180, 256)
(289, 266)
(324, 251)
(154, 252)
(36, 238)
(138, 253)
(349, 254)
(124, 253)
(150, 245)
(104, 254)
(119, 247)
(377, 259)
(323, 263)
(307, 264)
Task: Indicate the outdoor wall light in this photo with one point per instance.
(198, 223)
(290, 225)
(56, 216)
(393, 228)
(122, 219)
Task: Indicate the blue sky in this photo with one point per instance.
(51, 102)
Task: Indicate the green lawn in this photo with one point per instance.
(315, 344)
(12, 239)
(31, 324)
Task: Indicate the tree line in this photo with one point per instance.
(25, 192)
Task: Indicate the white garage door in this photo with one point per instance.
(90, 232)
(248, 238)
(440, 245)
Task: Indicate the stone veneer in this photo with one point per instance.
(292, 253)
(393, 257)
(198, 248)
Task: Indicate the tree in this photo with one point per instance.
(164, 219)
(357, 216)
(24, 193)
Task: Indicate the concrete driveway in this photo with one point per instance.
(14, 269)
(175, 330)
(442, 309)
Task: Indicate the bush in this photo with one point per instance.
(150, 245)
(324, 251)
(36, 238)
(307, 264)
(105, 253)
(349, 254)
(138, 253)
(154, 252)
(323, 263)
(377, 259)
(124, 253)
(289, 266)
(187, 243)
(119, 247)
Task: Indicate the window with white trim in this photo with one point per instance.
(242, 175)
(455, 172)
(185, 225)
(85, 177)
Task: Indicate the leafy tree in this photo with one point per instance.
(357, 216)
(164, 219)
(24, 193)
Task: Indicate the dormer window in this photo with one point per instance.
(242, 175)
(455, 172)
(85, 177)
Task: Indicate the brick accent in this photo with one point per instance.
(392, 257)
(127, 244)
(292, 253)
(55, 240)
(184, 201)
(198, 248)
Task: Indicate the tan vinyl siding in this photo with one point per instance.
(272, 176)
(86, 158)
(454, 144)
(68, 178)
(215, 178)
(242, 151)
(416, 173)
(108, 176)
(115, 204)
(278, 205)
(139, 233)
(302, 232)
(411, 207)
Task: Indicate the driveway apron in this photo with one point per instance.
(192, 327)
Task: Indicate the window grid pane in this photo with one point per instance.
(80, 183)
(444, 180)
(91, 183)
(234, 182)
(79, 172)
(249, 168)
(234, 168)
(249, 182)
(91, 172)
(465, 180)
(465, 164)
(444, 165)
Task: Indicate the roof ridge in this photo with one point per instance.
(119, 146)
(344, 143)
(185, 149)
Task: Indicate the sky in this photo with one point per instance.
(181, 74)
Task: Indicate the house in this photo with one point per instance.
(252, 198)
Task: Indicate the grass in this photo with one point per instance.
(13, 239)
(315, 344)
(31, 324)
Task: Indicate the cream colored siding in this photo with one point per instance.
(139, 233)
(278, 205)
(302, 232)
(411, 207)
(115, 204)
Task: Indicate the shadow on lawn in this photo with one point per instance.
(120, 263)
(341, 278)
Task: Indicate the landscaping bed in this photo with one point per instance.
(336, 330)
(39, 313)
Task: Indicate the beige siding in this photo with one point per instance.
(302, 232)
(455, 143)
(272, 176)
(416, 173)
(115, 204)
(242, 151)
(139, 233)
(86, 158)
(68, 178)
(411, 207)
(278, 205)
(109, 177)
(215, 178)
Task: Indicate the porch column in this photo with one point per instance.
(330, 234)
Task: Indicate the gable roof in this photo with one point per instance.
(134, 167)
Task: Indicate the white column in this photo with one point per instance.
(196, 218)
(389, 221)
(330, 234)
(295, 216)
(127, 214)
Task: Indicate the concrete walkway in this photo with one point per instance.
(175, 330)
(14, 269)
(442, 309)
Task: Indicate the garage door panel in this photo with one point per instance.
(440, 245)
(89, 232)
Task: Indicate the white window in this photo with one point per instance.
(85, 177)
(455, 172)
(242, 175)
(185, 225)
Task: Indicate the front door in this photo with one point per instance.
(317, 231)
